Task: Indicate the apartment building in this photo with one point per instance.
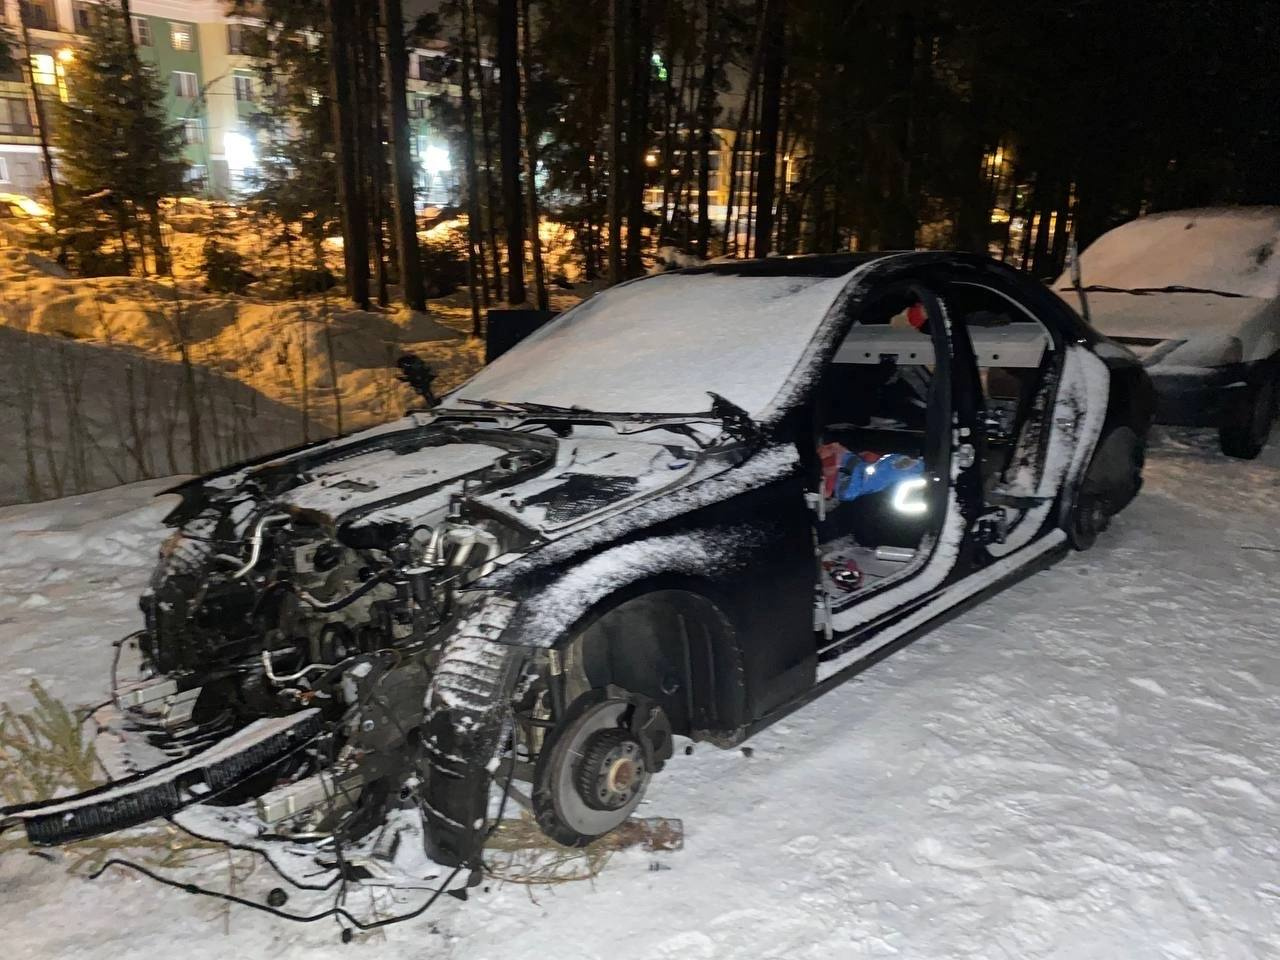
(212, 89)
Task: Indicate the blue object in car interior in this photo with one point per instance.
(860, 477)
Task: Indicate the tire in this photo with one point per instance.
(1113, 479)
(1087, 519)
(1246, 425)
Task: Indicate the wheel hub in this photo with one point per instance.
(611, 771)
(594, 769)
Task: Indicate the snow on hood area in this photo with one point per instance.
(659, 345)
(1235, 250)
(1084, 766)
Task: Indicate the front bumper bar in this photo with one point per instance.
(166, 790)
(1197, 396)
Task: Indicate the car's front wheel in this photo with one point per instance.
(1246, 425)
(596, 765)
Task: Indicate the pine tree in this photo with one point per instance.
(296, 182)
(113, 137)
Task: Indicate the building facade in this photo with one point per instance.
(212, 90)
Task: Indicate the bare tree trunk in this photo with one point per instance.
(642, 38)
(706, 135)
(740, 133)
(617, 54)
(770, 113)
(475, 241)
(753, 174)
(46, 151)
(531, 162)
(491, 202)
(372, 136)
(355, 236)
(509, 145)
(396, 63)
(591, 267)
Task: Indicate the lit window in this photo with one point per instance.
(243, 87)
(197, 174)
(181, 36)
(193, 131)
(141, 31)
(184, 85)
(42, 70)
(4, 170)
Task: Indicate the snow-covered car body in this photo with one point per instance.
(685, 507)
(1196, 295)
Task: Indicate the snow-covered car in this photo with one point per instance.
(684, 508)
(1196, 295)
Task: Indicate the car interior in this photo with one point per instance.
(1015, 356)
(877, 439)
(875, 427)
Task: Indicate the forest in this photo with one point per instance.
(968, 124)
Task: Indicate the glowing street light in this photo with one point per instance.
(435, 160)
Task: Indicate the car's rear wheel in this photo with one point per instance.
(1088, 518)
(1246, 425)
(1113, 479)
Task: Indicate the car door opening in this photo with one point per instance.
(881, 427)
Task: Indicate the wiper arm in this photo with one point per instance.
(1147, 291)
(1103, 288)
(737, 422)
(524, 406)
(1179, 288)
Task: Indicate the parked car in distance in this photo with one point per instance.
(1196, 295)
(685, 507)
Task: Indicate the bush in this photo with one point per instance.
(224, 269)
(313, 280)
(444, 263)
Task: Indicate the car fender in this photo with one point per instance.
(671, 639)
(1260, 334)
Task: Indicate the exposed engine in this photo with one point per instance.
(264, 605)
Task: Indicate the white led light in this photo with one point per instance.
(908, 499)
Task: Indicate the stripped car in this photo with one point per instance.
(684, 508)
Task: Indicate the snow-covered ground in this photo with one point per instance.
(1086, 766)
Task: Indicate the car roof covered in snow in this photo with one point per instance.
(1231, 250)
(807, 265)
(662, 344)
(743, 329)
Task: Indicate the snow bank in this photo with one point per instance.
(76, 417)
(93, 391)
